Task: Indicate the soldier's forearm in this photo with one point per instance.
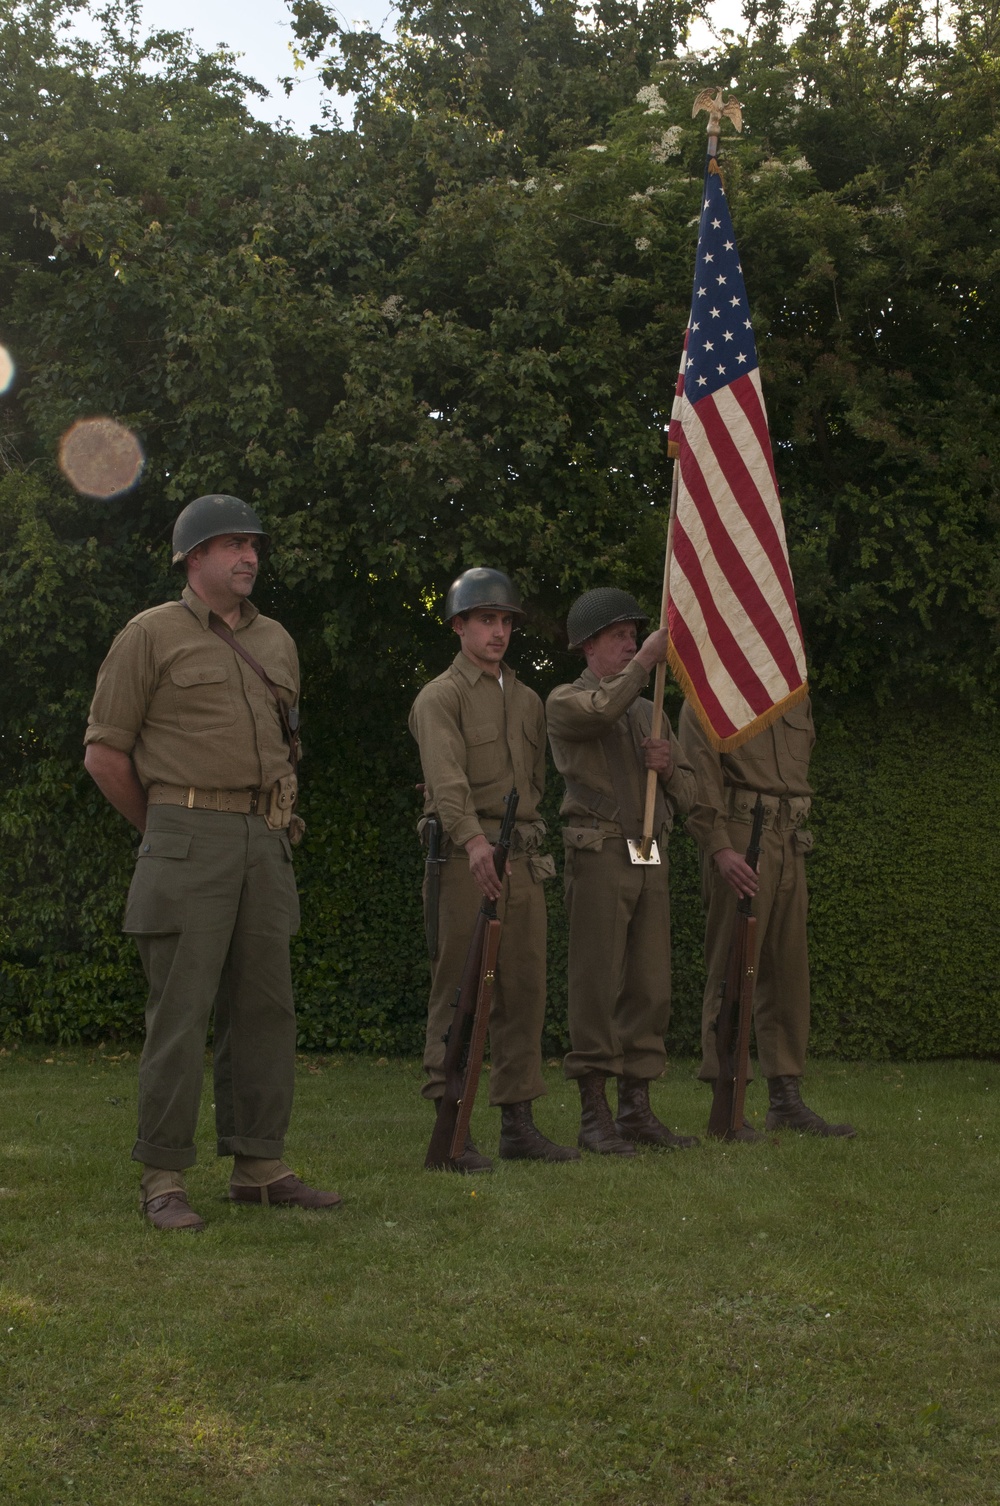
(114, 774)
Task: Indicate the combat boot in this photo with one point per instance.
(637, 1122)
(597, 1127)
(521, 1140)
(787, 1111)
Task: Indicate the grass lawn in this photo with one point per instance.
(797, 1322)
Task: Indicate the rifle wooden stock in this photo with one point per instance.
(466, 1038)
(477, 1040)
(732, 1037)
(732, 1028)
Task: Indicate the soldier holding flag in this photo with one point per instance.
(737, 650)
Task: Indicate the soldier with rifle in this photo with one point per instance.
(481, 733)
(773, 766)
(618, 902)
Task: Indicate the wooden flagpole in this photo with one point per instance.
(712, 103)
(660, 680)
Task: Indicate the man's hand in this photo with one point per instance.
(654, 650)
(482, 867)
(114, 774)
(659, 755)
(737, 872)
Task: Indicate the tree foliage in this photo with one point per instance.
(449, 335)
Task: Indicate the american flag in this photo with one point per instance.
(735, 638)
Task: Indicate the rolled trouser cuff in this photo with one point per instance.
(165, 1157)
(243, 1145)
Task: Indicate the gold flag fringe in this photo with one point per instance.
(759, 724)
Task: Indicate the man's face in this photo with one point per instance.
(485, 633)
(611, 650)
(225, 566)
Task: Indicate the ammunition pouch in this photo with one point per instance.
(527, 837)
(781, 812)
(281, 804)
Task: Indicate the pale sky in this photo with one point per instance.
(261, 31)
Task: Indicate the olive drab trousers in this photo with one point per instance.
(781, 991)
(212, 906)
(619, 958)
(518, 1012)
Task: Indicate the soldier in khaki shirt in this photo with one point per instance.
(186, 741)
(482, 733)
(619, 912)
(774, 765)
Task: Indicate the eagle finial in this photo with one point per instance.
(711, 100)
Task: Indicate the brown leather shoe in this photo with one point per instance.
(787, 1111)
(171, 1210)
(522, 1140)
(286, 1192)
(637, 1122)
(597, 1128)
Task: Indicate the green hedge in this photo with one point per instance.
(904, 947)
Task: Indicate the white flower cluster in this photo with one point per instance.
(597, 146)
(642, 243)
(392, 308)
(784, 169)
(669, 144)
(651, 97)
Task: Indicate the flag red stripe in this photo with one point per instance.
(750, 400)
(743, 486)
(735, 661)
(687, 649)
(734, 567)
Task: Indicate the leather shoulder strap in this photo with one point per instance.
(288, 715)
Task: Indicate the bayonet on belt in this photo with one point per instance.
(432, 887)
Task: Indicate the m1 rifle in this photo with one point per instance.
(466, 1038)
(732, 1028)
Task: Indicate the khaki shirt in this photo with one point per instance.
(185, 706)
(579, 715)
(775, 762)
(477, 741)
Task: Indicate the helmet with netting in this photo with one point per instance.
(595, 610)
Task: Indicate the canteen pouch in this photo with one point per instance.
(280, 802)
(802, 841)
(542, 866)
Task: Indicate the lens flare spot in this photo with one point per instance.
(100, 457)
(6, 368)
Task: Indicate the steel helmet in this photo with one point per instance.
(482, 588)
(208, 517)
(595, 610)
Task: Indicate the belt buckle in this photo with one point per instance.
(254, 797)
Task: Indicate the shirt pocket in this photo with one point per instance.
(203, 697)
(482, 753)
(798, 734)
(157, 894)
